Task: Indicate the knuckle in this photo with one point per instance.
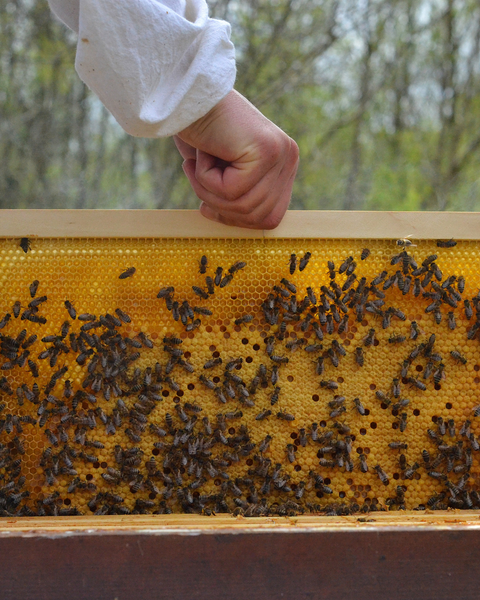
(272, 221)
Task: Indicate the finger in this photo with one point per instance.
(259, 201)
(236, 178)
(266, 215)
(247, 203)
(185, 149)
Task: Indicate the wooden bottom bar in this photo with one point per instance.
(399, 557)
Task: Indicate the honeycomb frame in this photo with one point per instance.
(252, 286)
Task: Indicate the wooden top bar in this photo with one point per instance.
(191, 224)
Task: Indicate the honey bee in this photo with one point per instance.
(285, 416)
(381, 474)
(25, 244)
(446, 243)
(331, 269)
(337, 412)
(203, 265)
(396, 339)
(275, 395)
(405, 242)
(383, 397)
(344, 266)
(359, 356)
(363, 463)
(237, 267)
(403, 422)
(127, 273)
(458, 357)
(279, 359)
(359, 406)
(329, 385)
(304, 261)
(243, 320)
(365, 254)
(369, 340)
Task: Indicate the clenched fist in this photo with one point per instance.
(240, 164)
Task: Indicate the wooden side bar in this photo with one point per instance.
(366, 564)
(190, 223)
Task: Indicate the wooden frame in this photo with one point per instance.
(395, 555)
(190, 223)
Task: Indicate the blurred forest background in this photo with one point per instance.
(382, 96)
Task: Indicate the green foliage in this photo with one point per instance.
(382, 96)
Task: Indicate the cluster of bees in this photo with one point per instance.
(207, 462)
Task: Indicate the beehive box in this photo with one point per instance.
(327, 380)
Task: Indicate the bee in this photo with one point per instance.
(285, 416)
(219, 394)
(319, 365)
(330, 325)
(203, 265)
(398, 445)
(365, 254)
(417, 287)
(396, 339)
(33, 368)
(379, 278)
(201, 293)
(293, 263)
(458, 357)
(304, 261)
(263, 415)
(311, 296)
(127, 273)
(25, 244)
(405, 242)
(331, 269)
(210, 285)
(237, 267)
(226, 280)
(359, 406)
(213, 362)
(446, 243)
(291, 453)
(333, 357)
(122, 316)
(383, 397)
(274, 397)
(369, 340)
(279, 359)
(165, 292)
(329, 385)
(359, 356)
(343, 325)
(344, 266)
(381, 474)
(403, 422)
(417, 383)
(337, 412)
(414, 330)
(349, 282)
(244, 319)
(194, 325)
(145, 340)
(363, 463)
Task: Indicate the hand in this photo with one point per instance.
(240, 164)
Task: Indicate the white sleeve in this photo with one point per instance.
(156, 66)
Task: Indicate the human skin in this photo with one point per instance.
(239, 164)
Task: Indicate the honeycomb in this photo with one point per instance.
(251, 376)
